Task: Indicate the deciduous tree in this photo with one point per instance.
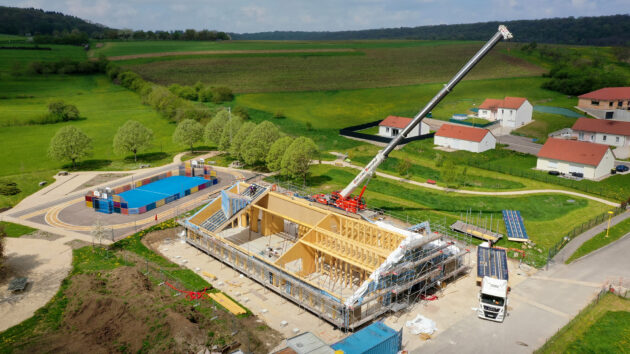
(276, 153)
(214, 128)
(188, 132)
(255, 149)
(132, 137)
(297, 159)
(240, 137)
(69, 143)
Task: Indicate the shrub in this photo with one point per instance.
(222, 94)
(188, 93)
(206, 94)
(279, 115)
(241, 111)
(8, 188)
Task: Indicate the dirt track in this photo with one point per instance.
(215, 52)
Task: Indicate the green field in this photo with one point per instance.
(338, 109)
(15, 58)
(145, 47)
(379, 67)
(602, 239)
(602, 327)
(103, 108)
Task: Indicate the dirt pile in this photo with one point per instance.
(124, 310)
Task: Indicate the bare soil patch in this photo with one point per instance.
(101, 178)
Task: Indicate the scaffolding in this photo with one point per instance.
(345, 270)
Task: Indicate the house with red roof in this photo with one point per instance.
(591, 160)
(393, 125)
(607, 103)
(512, 112)
(460, 137)
(602, 131)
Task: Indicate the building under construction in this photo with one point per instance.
(346, 270)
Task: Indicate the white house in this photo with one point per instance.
(460, 137)
(607, 132)
(392, 126)
(512, 112)
(567, 156)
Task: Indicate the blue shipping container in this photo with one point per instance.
(376, 338)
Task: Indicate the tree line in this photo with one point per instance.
(597, 30)
(258, 145)
(575, 72)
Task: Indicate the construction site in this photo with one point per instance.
(346, 270)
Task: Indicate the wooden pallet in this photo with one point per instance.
(227, 303)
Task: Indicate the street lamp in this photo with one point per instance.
(610, 213)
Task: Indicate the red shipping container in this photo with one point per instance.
(124, 211)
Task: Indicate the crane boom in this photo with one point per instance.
(369, 170)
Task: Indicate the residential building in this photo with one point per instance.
(512, 112)
(592, 160)
(392, 126)
(607, 132)
(607, 103)
(460, 137)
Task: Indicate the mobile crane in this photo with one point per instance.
(344, 199)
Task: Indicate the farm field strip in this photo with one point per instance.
(226, 52)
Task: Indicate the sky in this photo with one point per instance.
(314, 15)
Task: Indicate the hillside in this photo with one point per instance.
(601, 30)
(21, 21)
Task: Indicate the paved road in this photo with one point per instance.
(520, 144)
(540, 305)
(572, 246)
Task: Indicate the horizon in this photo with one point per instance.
(303, 16)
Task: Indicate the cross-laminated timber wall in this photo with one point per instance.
(346, 251)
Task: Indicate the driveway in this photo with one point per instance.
(539, 306)
(520, 144)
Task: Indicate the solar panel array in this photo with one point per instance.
(514, 226)
(492, 262)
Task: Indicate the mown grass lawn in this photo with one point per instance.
(602, 327)
(600, 240)
(543, 124)
(547, 217)
(15, 230)
(103, 107)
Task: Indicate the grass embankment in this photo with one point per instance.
(602, 327)
(547, 217)
(600, 240)
(108, 303)
(380, 66)
(15, 230)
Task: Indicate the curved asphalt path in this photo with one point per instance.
(463, 191)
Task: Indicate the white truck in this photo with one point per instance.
(493, 299)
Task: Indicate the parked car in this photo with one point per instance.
(577, 174)
(554, 173)
(622, 168)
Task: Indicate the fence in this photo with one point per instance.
(352, 133)
(476, 125)
(578, 230)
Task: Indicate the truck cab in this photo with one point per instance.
(493, 299)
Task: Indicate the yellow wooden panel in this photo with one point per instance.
(88, 204)
(209, 275)
(194, 190)
(227, 303)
